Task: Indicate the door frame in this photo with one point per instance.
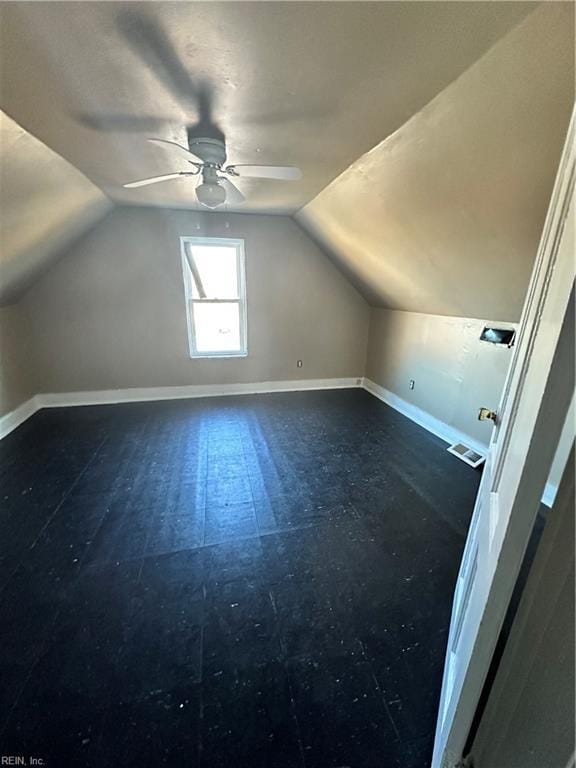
(549, 300)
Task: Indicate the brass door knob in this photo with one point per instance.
(485, 414)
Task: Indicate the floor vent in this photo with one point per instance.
(466, 453)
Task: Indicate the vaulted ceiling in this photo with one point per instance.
(456, 110)
(312, 84)
(444, 216)
(45, 204)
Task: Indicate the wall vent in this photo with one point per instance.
(467, 454)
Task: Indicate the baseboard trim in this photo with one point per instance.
(190, 391)
(439, 428)
(11, 420)
(423, 418)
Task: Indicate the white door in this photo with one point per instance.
(529, 421)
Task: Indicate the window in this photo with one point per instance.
(215, 288)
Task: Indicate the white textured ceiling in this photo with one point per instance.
(445, 216)
(45, 204)
(315, 84)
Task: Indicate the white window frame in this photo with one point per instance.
(190, 299)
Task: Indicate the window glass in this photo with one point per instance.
(215, 291)
(217, 327)
(214, 272)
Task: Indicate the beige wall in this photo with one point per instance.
(454, 373)
(17, 382)
(529, 717)
(111, 313)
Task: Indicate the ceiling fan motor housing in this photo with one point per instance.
(211, 151)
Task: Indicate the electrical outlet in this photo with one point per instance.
(298, 363)
(411, 383)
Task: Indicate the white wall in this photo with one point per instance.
(454, 372)
(111, 313)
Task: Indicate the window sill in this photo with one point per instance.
(213, 356)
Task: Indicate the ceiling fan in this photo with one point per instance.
(207, 156)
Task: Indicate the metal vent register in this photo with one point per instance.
(467, 454)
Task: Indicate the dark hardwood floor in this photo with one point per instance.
(260, 581)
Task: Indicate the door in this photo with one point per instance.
(528, 424)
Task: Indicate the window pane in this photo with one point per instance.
(217, 327)
(216, 275)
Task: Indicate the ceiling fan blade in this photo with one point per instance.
(156, 179)
(283, 172)
(233, 194)
(148, 40)
(179, 146)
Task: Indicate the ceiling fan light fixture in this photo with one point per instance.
(211, 194)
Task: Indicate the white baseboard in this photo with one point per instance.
(138, 395)
(11, 420)
(423, 418)
(439, 428)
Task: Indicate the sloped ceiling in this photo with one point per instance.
(445, 215)
(45, 204)
(471, 101)
(315, 84)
